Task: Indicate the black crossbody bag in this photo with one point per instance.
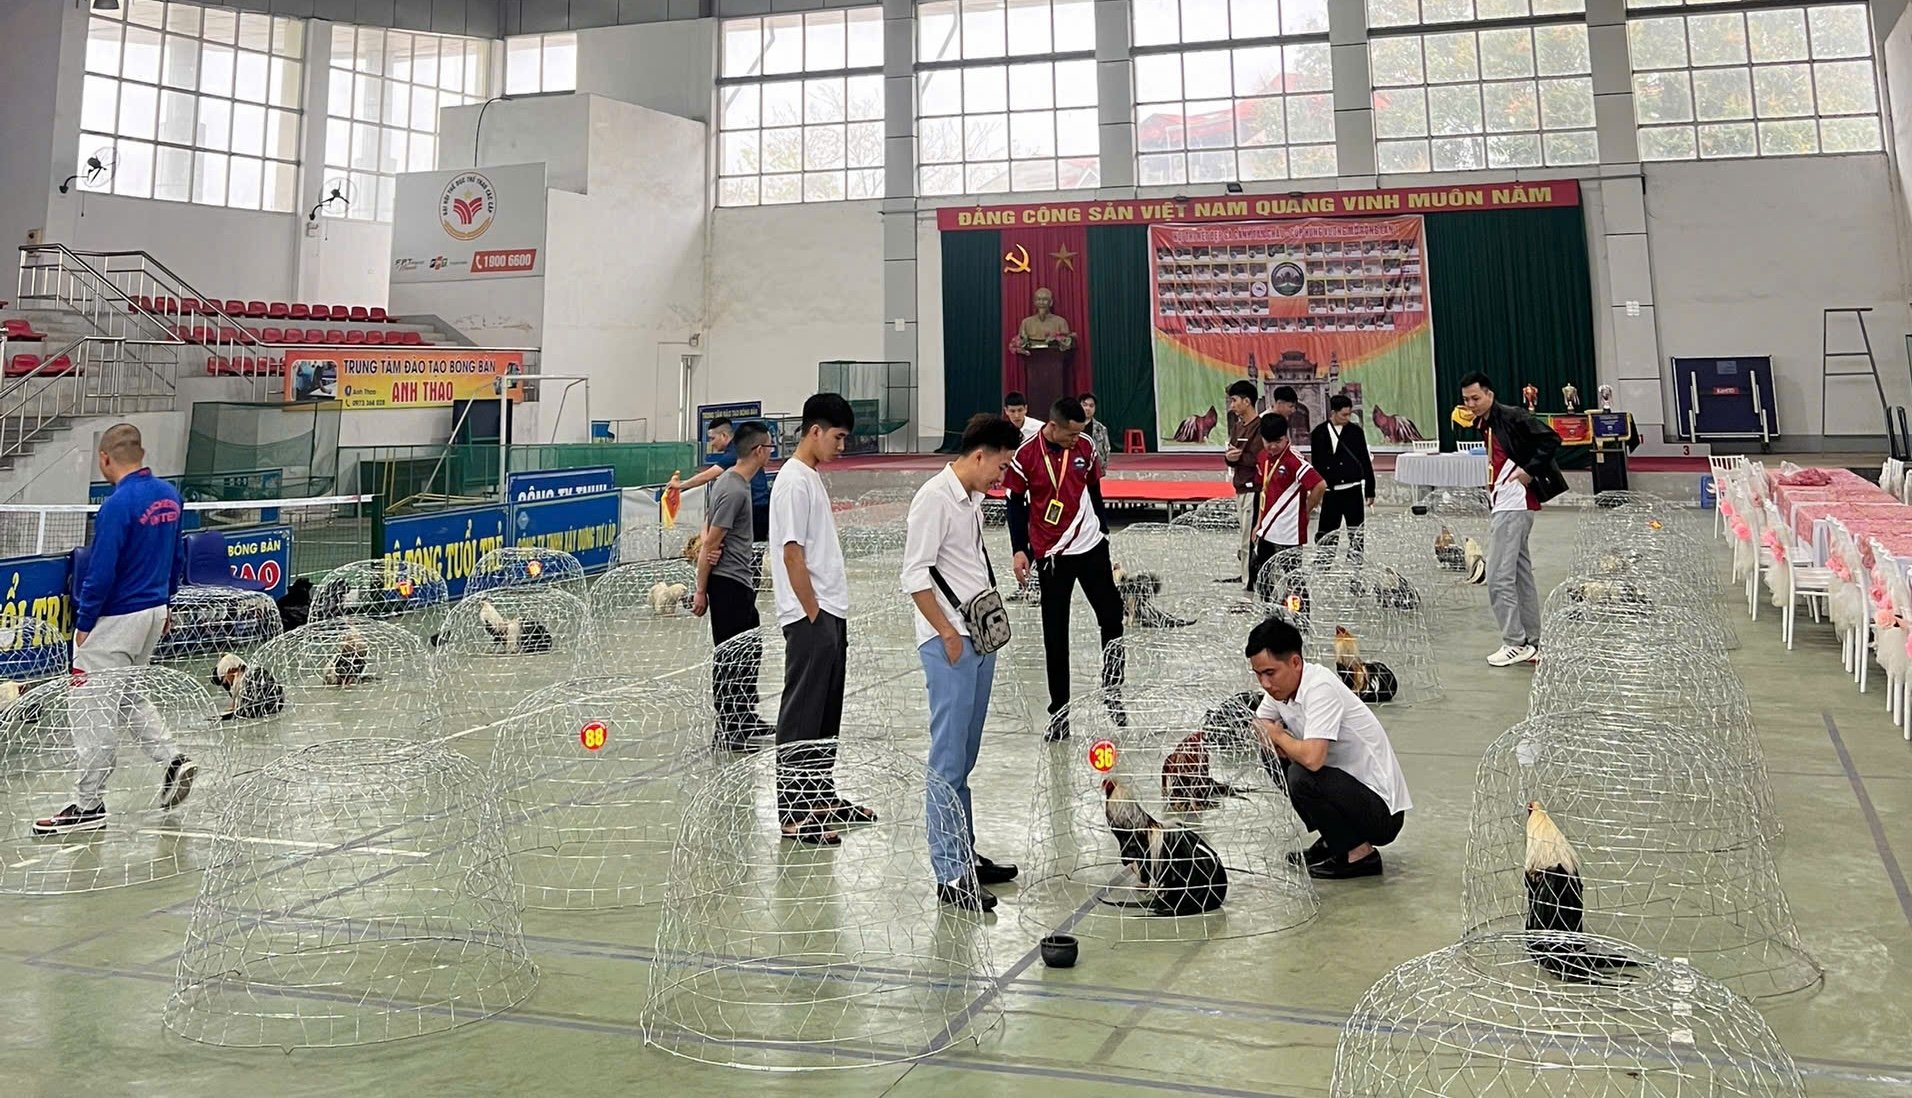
(984, 616)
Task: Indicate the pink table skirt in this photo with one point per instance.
(1788, 499)
(1806, 514)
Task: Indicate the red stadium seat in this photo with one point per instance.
(375, 338)
(278, 310)
(20, 330)
(188, 305)
(410, 338)
(315, 335)
(334, 336)
(235, 307)
(167, 306)
(219, 365)
(144, 302)
(231, 335)
(299, 312)
(360, 314)
(272, 335)
(341, 313)
(355, 337)
(320, 312)
(22, 365)
(377, 314)
(255, 310)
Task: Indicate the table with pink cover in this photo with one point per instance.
(1813, 522)
(1788, 498)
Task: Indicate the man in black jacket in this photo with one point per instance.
(1338, 449)
(1521, 475)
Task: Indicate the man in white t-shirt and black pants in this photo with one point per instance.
(945, 566)
(813, 608)
(1521, 475)
(1341, 773)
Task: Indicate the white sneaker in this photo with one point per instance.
(1508, 655)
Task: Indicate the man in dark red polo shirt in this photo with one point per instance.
(1058, 526)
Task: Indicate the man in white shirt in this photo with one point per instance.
(1342, 776)
(944, 567)
(813, 607)
(1015, 409)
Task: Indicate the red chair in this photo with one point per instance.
(1133, 441)
(299, 312)
(230, 335)
(166, 306)
(272, 335)
(411, 338)
(188, 305)
(278, 310)
(377, 315)
(60, 367)
(235, 307)
(218, 365)
(144, 302)
(334, 336)
(341, 313)
(21, 331)
(374, 338)
(320, 312)
(360, 315)
(355, 338)
(255, 310)
(315, 335)
(22, 365)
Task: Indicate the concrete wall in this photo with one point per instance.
(29, 84)
(667, 67)
(225, 253)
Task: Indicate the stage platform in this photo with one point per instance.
(1182, 464)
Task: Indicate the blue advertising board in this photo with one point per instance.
(549, 484)
(449, 541)
(261, 555)
(584, 526)
(36, 589)
(736, 412)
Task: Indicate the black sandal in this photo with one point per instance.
(845, 813)
(810, 831)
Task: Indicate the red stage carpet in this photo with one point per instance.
(1203, 464)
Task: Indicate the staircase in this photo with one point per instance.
(124, 358)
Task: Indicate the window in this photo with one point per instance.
(1414, 13)
(196, 104)
(1759, 82)
(541, 63)
(1167, 22)
(800, 108)
(1218, 116)
(387, 88)
(1026, 122)
(1500, 97)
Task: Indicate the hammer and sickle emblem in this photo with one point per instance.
(1016, 260)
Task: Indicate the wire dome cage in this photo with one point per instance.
(593, 776)
(1459, 502)
(1164, 575)
(1483, 1019)
(1443, 557)
(1192, 659)
(31, 652)
(500, 646)
(745, 675)
(1648, 552)
(1213, 515)
(1603, 610)
(357, 892)
(526, 566)
(208, 622)
(1371, 620)
(642, 610)
(334, 678)
(1163, 820)
(115, 733)
(779, 956)
(410, 594)
(1637, 838)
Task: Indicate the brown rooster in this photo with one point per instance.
(1395, 428)
(1197, 428)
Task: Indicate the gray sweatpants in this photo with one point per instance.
(101, 704)
(1510, 578)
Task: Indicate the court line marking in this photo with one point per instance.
(1893, 872)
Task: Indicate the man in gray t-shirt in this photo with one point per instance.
(727, 588)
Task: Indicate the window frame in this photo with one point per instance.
(542, 53)
(853, 182)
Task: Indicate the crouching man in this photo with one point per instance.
(1341, 771)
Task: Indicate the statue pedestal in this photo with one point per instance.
(1046, 379)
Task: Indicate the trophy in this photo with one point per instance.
(1571, 397)
(1529, 395)
(1606, 398)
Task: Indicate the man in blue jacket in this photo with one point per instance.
(723, 455)
(119, 615)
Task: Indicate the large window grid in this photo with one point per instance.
(1492, 96)
(197, 104)
(386, 89)
(1023, 122)
(1179, 22)
(1417, 13)
(537, 63)
(800, 108)
(1222, 115)
(1762, 81)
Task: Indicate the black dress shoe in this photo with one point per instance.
(1058, 729)
(1317, 853)
(966, 894)
(990, 873)
(1340, 869)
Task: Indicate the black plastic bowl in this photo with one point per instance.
(1059, 951)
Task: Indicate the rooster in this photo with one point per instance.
(1395, 428)
(1197, 428)
(1476, 561)
(1374, 683)
(1556, 910)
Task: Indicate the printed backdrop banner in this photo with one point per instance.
(1324, 305)
(371, 377)
(469, 223)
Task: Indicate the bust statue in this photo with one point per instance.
(1043, 329)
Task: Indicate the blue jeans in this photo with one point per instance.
(958, 705)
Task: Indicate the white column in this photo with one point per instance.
(1353, 91)
(899, 188)
(1115, 97)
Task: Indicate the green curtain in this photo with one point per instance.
(1512, 297)
(1120, 319)
(972, 328)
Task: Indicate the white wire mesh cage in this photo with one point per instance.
(1634, 837)
(406, 593)
(1214, 515)
(357, 892)
(1164, 575)
(744, 682)
(1606, 610)
(526, 566)
(1370, 619)
(594, 774)
(1163, 820)
(145, 743)
(499, 647)
(644, 609)
(334, 678)
(1443, 557)
(1655, 555)
(780, 956)
(1482, 1018)
(31, 652)
(208, 622)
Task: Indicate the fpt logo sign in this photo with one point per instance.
(467, 206)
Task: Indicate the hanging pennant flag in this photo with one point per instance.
(669, 499)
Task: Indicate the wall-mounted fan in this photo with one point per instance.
(338, 192)
(97, 174)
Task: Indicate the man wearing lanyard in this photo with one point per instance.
(1290, 492)
(1243, 456)
(1521, 475)
(1056, 521)
(1339, 451)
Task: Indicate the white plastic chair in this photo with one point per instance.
(1849, 603)
(1425, 446)
(1893, 658)
(1471, 447)
(1721, 468)
(1791, 581)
